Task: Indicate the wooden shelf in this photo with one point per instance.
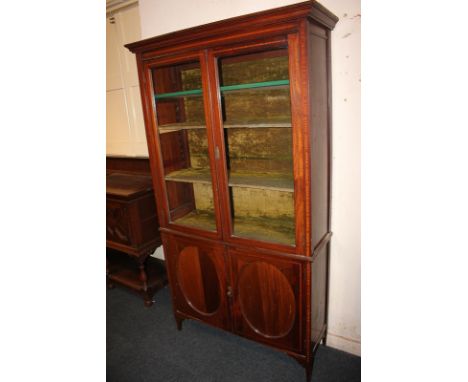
(190, 175)
(265, 181)
(229, 88)
(228, 125)
(271, 229)
(256, 125)
(182, 93)
(198, 219)
(278, 229)
(268, 85)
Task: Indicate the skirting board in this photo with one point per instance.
(348, 345)
(159, 253)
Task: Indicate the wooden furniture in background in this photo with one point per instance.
(132, 228)
(238, 119)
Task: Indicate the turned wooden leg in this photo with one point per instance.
(148, 302)
(179, 323)
(308, 369)
(308, 374)
(110, 285)
(143, 276)
(144, 281)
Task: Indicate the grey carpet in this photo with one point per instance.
(143, 344)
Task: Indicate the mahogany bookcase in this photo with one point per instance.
(238, 124)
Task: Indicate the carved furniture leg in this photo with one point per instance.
(179, 323)
(309, 367)
(144, 279)
(110, 285)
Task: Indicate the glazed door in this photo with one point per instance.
(184, 133)
(267, 299)
(257, 138)
(198, 278)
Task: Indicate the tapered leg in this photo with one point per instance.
(110, 285)
(147, 295)
(179, 323)
(309, 367)
(148, 301)
(307, 364)
(308, 374)
(143, 276)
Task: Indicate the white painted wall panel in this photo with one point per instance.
(137, 121)
(113, 72)
(181, 14)
(129, 30)
(125, 124)
(117, 127)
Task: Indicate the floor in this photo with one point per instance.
(143, 344)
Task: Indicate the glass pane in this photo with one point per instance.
(256, 110)
(184, 145)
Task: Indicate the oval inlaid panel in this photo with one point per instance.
(198, 280)
(266, 299)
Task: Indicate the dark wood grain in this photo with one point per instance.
(131, 165)
(271, 292)
(198, 277)
(267, 298)
(132, 232)
(125, 186)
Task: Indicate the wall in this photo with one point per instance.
(125, 129)
(163, 16)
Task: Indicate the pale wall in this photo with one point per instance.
(125, 127)
(163, 16)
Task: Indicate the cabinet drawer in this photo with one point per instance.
(267, 298)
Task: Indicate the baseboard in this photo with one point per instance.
(348, 345)
(159, 253)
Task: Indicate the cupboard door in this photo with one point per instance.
(255, 118)
(198, 279)
(267, 299)
(185, 145)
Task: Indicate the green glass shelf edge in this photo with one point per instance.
(224, 88)
(254, 85)
(178, 94)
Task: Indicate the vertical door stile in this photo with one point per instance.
(212, 127)
(215, 116)
(152, 136)
(219, 147)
